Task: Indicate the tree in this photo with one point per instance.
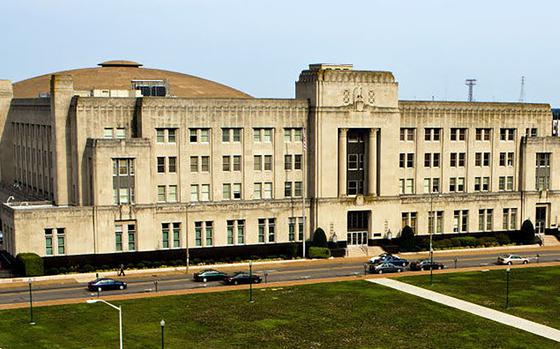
(406, 240)
(527, 233)
(320, 238)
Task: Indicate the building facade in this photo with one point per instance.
(126, 159)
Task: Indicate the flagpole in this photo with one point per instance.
(303, 186)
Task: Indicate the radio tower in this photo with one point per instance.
(470, 83)
(522, 93)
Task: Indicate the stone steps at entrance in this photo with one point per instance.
(363, 251)
(550, 240)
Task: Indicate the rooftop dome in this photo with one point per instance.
(119, 74)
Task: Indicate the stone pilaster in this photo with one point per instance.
(342, 138)
(372, 162)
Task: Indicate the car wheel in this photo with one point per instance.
(204, 280)
(399, 270)
(440, 267)
(121, 287)
(509, 263)
(99, 289)
(525, 262)
(380, 271)
(235, 282)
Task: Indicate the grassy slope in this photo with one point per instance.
(338, 315)
(534, 292)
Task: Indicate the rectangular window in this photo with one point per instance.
(401, 186)
(198, 233)
(205, 192)
(226, 163)
(123, 181)
(291, 229)
(171, 135)
(485, 221)
(193, 135)
(453, 159)
(60, 240)
(160, 135)
(287, 189)
(257, 191)
(165, 235)
(262, 227)
(268, 162)
(204, 135)
(172, 164)
(161, 164)
(194, 163)
(176, 235)
(226, 191)
(49, 242)
(226, 135)
(507, 134)
(458, 134)
(205, 163)
(267, 135)
(161, 193)
(267, 190)
(409, 189)
(271, 231)
(542, 171)
(118, 237)
(172, 193)
(237, 135)
(237, 162)
(229, 232)
(288, 162)
(257, 137)
(410, 160)
(297, 161)
(131, 237)
(209, 233)
(483, 134)
(107, 132)
(236, 191)
(407, 134)
(240, 231)
(194, 192)
(297, 189)
(257, 163)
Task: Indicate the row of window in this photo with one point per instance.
(481, 159)
(233, 163)
(460, 134)
(229, 135)
(461, 220)
(456, 184)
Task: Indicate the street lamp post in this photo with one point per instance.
(162, 324)
(432, 226)
(508, 271)
(119, 309)
(187, 254)
(251, 282)
(31, 321)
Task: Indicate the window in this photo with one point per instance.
(204, 135)
(505, 183)
(407, 134)
(205, 192)
(409, 219)
(229, 232)
(292, 229)
(271, 231)
(226, 191)
(193, 135)
(261, 229)
(506, 159)
(262, 190)
(172, 193)
(457, 159)
(257, 162)
(406, 160)
(293, 135)
(237, 162)
(262, 135)
(458, 134)
(297, 161)
(542, 173)
(199, 135)
(509, 219)
(481, 183)
(287, 189)
(431, 160)
(432, 134)
(194, 192)
(257, 191)
(172, 164)
(482, 159)
(194, 163)
(268, 162)
(226, 163)
(176, 234)
(198, 233)
(240, 231)
(437, 218)
(457, 184)
(171, 135)
(485, 219)
(118, 237)
(401, 186)
(165, 235)
(431, 185)
(288, 162)
(209, 233)
(483, 134)
(49, 242)
(257, 136)
(60, 240)
(123, 181)
(460, 221)
(267, 135)
(531, 132)
(160, 135)
(267, 190)
(107, 132)
(507, 134)
(355, 187)
(205, 163)
(231, 135)
(409, 186)
(237, 191)
(297, 189)
(161, 165)
(131, 237)
(161, 193)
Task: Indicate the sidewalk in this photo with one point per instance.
(491, 314)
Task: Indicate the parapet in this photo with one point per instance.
(6, 89)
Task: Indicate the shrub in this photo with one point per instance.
(527, 232)
(319, 252)
(88, 268)
(503, 239)
(338, 252)
(105, 267)
(319, 238)
(455, 242)
(30, 264)
(468, 241)
(140, 265)
(293, 250)
(52, 271)
(62, 270)
(488, 241)
(443, 243)
(406, 240)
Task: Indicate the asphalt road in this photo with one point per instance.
(281, 273)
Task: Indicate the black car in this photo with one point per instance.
(242, 278)
(425, 264)
(382, 268)
(395, 260)
(104, 284)
(209, 275)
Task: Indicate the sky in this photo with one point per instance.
(260, 46)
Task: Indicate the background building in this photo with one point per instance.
(120, 158)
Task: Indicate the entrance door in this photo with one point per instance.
(358, 227)
(540, 219)
(357, 238)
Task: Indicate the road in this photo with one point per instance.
(284, 272)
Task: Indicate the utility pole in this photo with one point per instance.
(470, 83)
(522, 92)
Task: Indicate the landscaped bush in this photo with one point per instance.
(88, 268)
(338, 252)
(468, 241)
(527, 232)
(406, 240)
(293, 250)
(30, 264)
(319, 252)
(487, 241)
(52, 271)
(503, 239)
(319, 238)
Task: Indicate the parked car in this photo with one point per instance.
(395, 260)
(512, 259)
(425, 264)
(209, 275)
(104, 284)
(242, 278)
(382, 268)
(377, 259)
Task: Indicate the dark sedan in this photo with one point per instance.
(383, 268)
(242, 278)
(425, 264)
(104, 284)
(395, 260)
(209, 275)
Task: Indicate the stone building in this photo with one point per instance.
(121, 158)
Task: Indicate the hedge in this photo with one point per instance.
(319, 252)
(30, 264)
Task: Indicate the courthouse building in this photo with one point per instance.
(122, 158)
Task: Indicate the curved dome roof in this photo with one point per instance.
(118, 75)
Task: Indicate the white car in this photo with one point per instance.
(512, 259)
(377, 259)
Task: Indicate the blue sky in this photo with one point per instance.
(261, 46)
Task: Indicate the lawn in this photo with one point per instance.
(354, 314)
(534, 292)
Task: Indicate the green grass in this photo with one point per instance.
(534, 292)
(337, 315)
